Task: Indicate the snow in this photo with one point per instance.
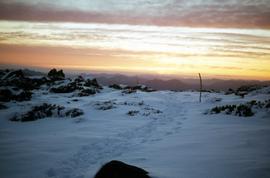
(178, 142)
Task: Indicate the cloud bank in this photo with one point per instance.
(193, 13)
(155, 49)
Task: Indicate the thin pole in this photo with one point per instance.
(200, 87)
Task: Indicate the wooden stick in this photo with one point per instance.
(200, 87)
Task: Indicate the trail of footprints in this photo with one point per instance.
(100, 151)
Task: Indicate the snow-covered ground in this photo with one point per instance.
(167, 134)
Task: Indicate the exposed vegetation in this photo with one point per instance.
(47, 110)
(242, 110)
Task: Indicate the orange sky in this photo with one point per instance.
(229, 39)
(218, 53)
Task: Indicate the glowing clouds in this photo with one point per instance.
(133, 48)
(192, 13)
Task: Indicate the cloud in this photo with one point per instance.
(208, 13)
(154, 41)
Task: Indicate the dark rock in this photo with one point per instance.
(3, 106)
(70, 87)
(138, 87)
(129, 91)
(118, 169)
(23, 96)
(87, 92)
(267, 104)
(74, 112)
(14, 74)
(79, 79)
(230, 91)
(132, 113)
(153, 110)
(26, 84)
(5, 95)
(56, 75)
(92, 83)
(95, 83)
(17, 79)
(91, 87)
(15, 89)
(106, 105)
(249, 88)
(115, 86)
(218, 109)
(147, 89)
(215, 110)
(39, 112)
(132, 89)
(241, 93)
(244, 90)
(28, 73)
(40, 81)
(3, 72)
(252, 102)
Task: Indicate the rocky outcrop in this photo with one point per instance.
(105, 105)
(55, 82)
(243, 90)
(75, 112)
(3, 106)
(132, 89)
(55, 75)
(79, 79)
(13, 74)
(115, 86)
(87, 92)
(68, 88)
(83, 87)
(118, 169)
(92, 83)
(18, 80)
(133, 113)
(23, 96)
(7, 95)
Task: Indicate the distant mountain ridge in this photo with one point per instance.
(27, 72)
(176, 84)
(159, 83)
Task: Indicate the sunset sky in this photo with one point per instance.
(220, 39)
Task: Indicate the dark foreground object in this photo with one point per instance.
(118, 169)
